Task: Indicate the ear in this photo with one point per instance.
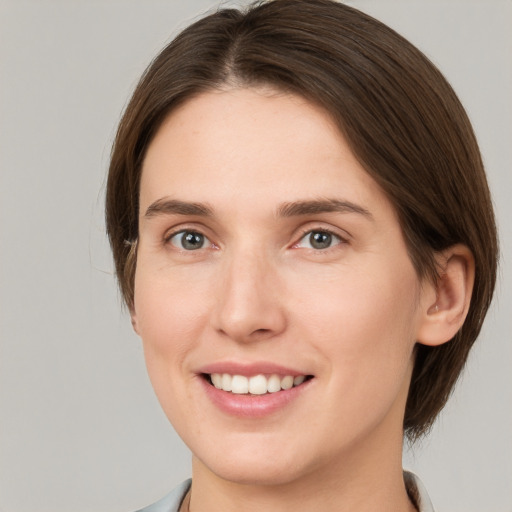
(133, 317)
(446, 302)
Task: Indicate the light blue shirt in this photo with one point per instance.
(172, 501)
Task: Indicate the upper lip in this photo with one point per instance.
(249, 369)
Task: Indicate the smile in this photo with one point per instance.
(256, 385)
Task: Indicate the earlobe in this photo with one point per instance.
(444, 316)
(133, 317)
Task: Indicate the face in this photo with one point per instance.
(274, 295)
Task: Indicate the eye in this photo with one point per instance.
(189, 240)
(319, 240)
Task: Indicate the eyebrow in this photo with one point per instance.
(167, 206)
(313, 207)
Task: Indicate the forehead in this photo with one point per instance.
(253, 146)
(261, 122)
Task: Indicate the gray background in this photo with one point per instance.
(80, 429)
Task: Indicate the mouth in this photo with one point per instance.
(258, 385)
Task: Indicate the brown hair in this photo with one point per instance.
(401, 118)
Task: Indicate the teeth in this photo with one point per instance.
(287, 382)
(274, 384)
(239, 384)
(217, 380)
(225, 382)
(298, 380)
(256, 385)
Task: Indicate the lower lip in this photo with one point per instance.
(253, 406)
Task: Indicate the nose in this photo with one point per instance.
(249, 305)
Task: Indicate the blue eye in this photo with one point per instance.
(319, 240)
(189, 240)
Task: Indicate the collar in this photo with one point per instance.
(415, 489)
(417, 492)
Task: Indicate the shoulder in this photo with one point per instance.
(172, 501)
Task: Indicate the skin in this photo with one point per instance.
(257, 290)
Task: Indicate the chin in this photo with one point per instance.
(255, 473)
(259, 462)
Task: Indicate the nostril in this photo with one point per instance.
(261, 331)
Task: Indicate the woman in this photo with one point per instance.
(304, 237)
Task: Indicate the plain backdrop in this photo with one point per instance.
(80, 429)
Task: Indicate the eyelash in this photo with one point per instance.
(168, 239)
(206, 241)
(309, 232)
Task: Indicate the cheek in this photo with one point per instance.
(168, 320)
(365, 321)
(163, 308)
(169, 328)
(364, 330)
